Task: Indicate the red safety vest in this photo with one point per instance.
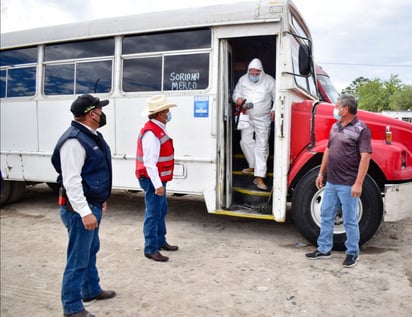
(166, 161)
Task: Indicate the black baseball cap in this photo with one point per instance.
(85, 103)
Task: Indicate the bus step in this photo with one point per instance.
(251, 197)
(260, 209)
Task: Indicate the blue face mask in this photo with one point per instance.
(255, 79)
(336, 114)
(169, 116)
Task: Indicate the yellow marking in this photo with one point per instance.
(251, 192)
(243, 214)
(240, 173)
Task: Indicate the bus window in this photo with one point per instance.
(305, 82)
(21, 82)
(78, 50)
(67, 74)
(186, 72)
(94, 77)
(169, 41)
(327, 90)
(142, 74)
(18, 56)
(59, 79)
(168, 69)
(18, 80)
(3, 76)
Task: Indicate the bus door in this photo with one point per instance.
(236, 190)
(224, 191)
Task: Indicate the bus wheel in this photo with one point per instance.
(6, 187)
(306, 208)
(17, 191)
(11, 191)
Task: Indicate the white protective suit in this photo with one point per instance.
(262, 95)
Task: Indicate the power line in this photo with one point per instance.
(367, 65)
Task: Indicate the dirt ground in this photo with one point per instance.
(225, 266)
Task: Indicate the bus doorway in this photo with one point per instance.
(239, 193)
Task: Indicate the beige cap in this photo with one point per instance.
(156, 104)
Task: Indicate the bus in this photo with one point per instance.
(194, 57)
(404, 115)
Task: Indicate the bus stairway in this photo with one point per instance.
(245, 194)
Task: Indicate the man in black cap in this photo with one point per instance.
(82, 159)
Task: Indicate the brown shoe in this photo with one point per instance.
(103, 295)
(168, 247)
(258, 181)
(82, 313)
(158, 257)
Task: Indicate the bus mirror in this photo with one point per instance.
(304, 59)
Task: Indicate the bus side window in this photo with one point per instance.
(18, 80)
(67, 72)
(166, 68)
(59, 79)
(142, 74)
(186, 72)
(21, 82)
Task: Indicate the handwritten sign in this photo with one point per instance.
(184, 81)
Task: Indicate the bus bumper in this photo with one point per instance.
(397, 201)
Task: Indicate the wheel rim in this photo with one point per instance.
(315, 210)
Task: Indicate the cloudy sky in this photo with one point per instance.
(352, 38)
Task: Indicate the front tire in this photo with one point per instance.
(306, 208)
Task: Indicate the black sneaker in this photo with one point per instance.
(350, 260)
(318, 255)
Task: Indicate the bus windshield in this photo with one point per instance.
(327, 89)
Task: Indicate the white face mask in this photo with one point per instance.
(336, 114)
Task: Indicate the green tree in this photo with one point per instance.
(372, 96)
(402, 99)
(353, 87)
(377, 95)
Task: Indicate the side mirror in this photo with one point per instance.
(305, 58)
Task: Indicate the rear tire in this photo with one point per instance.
(306, 207)
(17, 191)
(11, 191)
(5, 191)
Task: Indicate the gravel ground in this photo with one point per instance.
(225, 266)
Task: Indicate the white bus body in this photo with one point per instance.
(30, 125)
(193, 56)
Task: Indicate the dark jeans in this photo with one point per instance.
(154, 227)
(80, 278)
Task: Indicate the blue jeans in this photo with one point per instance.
(80, 278)
(332, 197)
(154, 227)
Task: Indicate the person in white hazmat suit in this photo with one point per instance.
(258, 88)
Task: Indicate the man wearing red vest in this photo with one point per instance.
(154, 168)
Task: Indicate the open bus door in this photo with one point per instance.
(236, 192)
(224, 170)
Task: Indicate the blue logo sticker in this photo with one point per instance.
(201, 107)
